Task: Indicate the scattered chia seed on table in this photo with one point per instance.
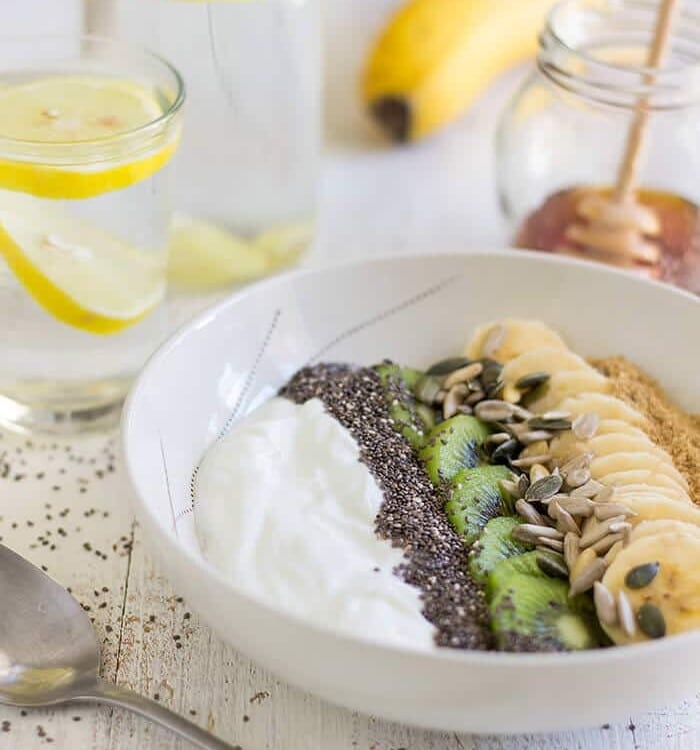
(411, 516)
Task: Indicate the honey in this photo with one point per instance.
(678, 239)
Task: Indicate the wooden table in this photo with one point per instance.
(66, 505)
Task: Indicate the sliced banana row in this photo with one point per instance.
(665, 535)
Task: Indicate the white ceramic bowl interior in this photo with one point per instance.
(414, 310)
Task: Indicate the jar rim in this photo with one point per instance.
(578, 33)
(135, 138)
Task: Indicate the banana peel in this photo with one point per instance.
(436, 56)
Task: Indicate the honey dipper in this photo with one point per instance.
(618, 226)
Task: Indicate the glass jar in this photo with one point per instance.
(566, 130)
(249, 159)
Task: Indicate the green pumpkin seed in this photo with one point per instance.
(544, 488)
(651, 621)
(531, 380)
(553, 425)
(642, 575)
(551, 563)
(446, 366)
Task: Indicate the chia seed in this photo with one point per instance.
(411, 516)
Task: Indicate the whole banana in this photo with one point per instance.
(436, 56)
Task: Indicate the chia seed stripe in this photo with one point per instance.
(411, 516)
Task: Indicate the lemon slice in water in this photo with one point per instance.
(82, 275)
(74, 110)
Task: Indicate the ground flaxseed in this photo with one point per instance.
(670, 427)
(411, 516)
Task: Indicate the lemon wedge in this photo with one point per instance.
(203, 254)
(74, 110)
(80, 274)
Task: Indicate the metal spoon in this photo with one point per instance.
(49, 654)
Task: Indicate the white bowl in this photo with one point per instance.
(414, 310)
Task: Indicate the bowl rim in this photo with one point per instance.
(454, 657)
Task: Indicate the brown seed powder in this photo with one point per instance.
(671, 428)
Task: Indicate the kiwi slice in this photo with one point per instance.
(494, 545)
(532, 612)
(476, 497)
(412, 420)
(452, 446)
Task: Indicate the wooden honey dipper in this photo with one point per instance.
(618, 226)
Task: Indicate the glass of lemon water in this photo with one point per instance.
(88, 131)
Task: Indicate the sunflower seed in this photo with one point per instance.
(586, 425)
(552, 425)
(554, 414)
(604, 604)
(603, 546)
(497, 438)
(505, 450)
(535, 436)
(532, 380)
(510, 488)
(593, 572)
(523, 534)
(551, 563)
(526, 463)
(605, 495)
(588, 490)
(465, 409)
(641, 575)
(463, 375)
(577, 462)
(584, 559)
(620, 527)
(454, 399)
(544, 488)
(577, 478)
(427, 389)
(528, 513)
(553, 509)
(446, 366)
(651, 621)
(494, 410)
(577, 506)
(493, 340)
(611, 554)
(571, 549)
(534, 449)
(475, 398)
(537, 472)
(595, 530)
(541, 531)
(625, 614)
(566, 522)
(520, 412)
(554, 544)
(523, 484)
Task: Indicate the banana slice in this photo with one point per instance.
(654, 528)
(519, 336)
(660, 508)
(619, 427)
(673, 592)
(629, 461)
(671, 493)
(567, 445)
(547, 359)
(605, 406)
(641, 476)
(569, 383)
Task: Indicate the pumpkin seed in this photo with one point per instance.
(586, 425)
(651, 621)
(604, 604)
(493, 340)
(505, 450)
(463, 374)
(544, 488)
(593, 572)
(532, 380)
(446, 366)
(523, 484)
(427, 389)
(552, 563)
(642, 575)
(625, 614)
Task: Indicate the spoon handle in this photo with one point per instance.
(107, 692)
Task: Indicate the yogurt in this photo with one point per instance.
(286, 510)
